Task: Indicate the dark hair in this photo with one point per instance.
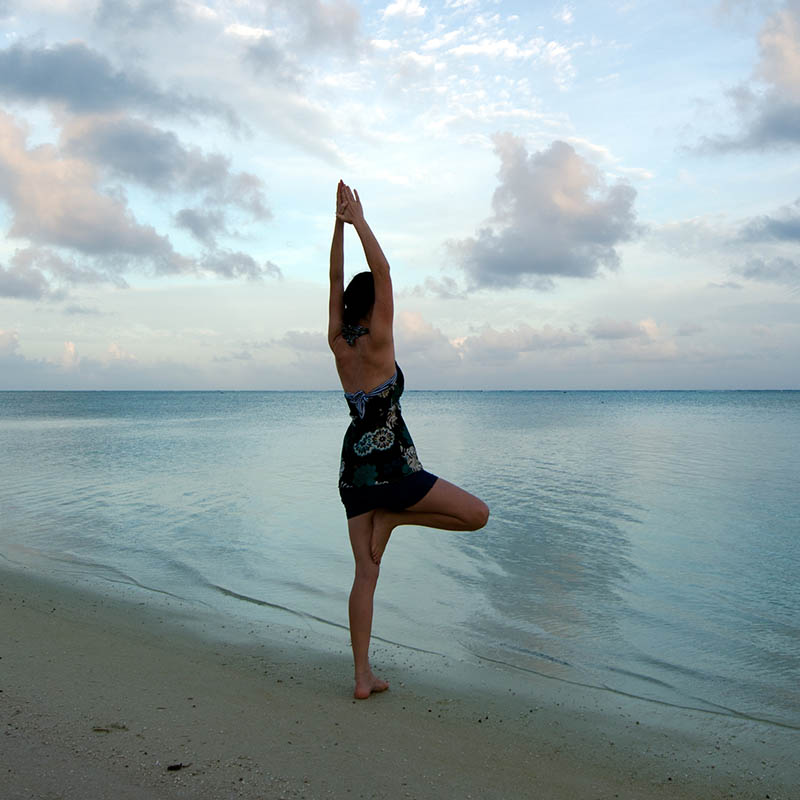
(359, 297)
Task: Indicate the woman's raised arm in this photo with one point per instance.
(336, 297)
(383, 310)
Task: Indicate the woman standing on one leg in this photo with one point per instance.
(381, 482)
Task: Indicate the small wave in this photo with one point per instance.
(306, 615)
(716, 709)
(94, 569)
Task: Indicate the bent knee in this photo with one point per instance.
(479, 515)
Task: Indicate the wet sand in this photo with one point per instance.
(105, 696)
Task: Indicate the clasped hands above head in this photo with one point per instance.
(348, 204)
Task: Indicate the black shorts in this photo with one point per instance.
(394, 496)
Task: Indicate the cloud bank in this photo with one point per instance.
(68, 200)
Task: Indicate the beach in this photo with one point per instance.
(107, 695)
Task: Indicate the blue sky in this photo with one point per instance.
(571, 195)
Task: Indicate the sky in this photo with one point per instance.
(594, 195)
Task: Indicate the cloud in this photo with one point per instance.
(85, 81)
(9, 342)
(690, 329)
(445, 288)
(117, 353)
(69, 356)
(235, 264)
(131, 149)
(699, 235)
(491, 345)
(424, 344)
(770, 117)
(333, 24)
(137, 14)
(410, 68)
(783, 226)
(267, 56)
(724, 285)
(565, 15)
(204, 225)
(410, 9)
(553, 216)
(540, 50)
(40, 273)
(303, 25)
(635, 341)
(55, 201)
(21, 282)
(777, 270)
(305, 341)
(611, 329)
(780, 51)
(84, 311)
(421, 342)
(71, 370)
(242, 355)
(495, 48)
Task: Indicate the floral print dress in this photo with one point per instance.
(377, 448)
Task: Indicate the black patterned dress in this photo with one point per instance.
(379, 466)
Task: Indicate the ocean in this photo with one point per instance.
(646, 543)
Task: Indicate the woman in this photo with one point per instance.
(381, 483)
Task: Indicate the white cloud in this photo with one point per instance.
(497, 48)
(404, 8)
(384, 44)
(117, 353)
(416, 336)
(565, 14)
(636, 173)
(437, 42)
(69, 356)
(247, 31)
(9, 341)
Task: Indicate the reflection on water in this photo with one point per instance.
(642, 541)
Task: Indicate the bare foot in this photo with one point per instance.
(381, 531)
(367, 684)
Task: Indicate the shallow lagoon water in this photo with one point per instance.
(647, 542)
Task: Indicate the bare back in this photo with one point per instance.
(365, 364)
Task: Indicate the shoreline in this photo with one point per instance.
(101, 694)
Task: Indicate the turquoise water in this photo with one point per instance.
(648, 542)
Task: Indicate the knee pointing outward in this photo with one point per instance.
(478, 514)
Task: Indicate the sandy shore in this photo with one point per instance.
(110, 698)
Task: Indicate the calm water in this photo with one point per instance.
(644, 541)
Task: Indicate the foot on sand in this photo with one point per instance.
(367, 684)
(381, 531)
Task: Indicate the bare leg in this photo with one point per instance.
(446, 507)
(361, 604)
